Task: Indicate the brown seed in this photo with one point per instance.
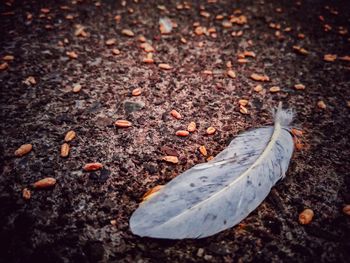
(115, 51)
(92, 166)
(199, 30)
(136, 92)
(249, 54)
(192, 126)
(183, 40)
(45, 183)
(176, 114)
(346, 210)
(243, 109)
(205, 14)
(203, 150)
(182, 133)
(117, 18)
(243, 102)
(65, 150)
(142, 39)
(76, 88)
(345, 58)
(3, 66)
(208, 72)
(30, 81)
(72, 54)
(147, 47)
(26, 194)
(306, 216)
(70, 135)
(127, 32)
(164, 66)
(258, 88)
(231, 74)
(210, 158)
(226, 24)
(275, 89)
(8, 58)
(23, 149)
(45, 10)
(211, 130)
(113, 222)
(150, 193)
(321, 105)
(259, 77)
(300, 50)
(171, 159)
(111, 41)
(123, 123)
(299, 86)
(329, 57)
(297, 132)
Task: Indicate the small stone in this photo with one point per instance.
(131, 106)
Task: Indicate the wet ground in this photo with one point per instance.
(84, 217)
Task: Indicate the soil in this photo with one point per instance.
(71, 222)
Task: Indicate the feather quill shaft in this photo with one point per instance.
(217, 195)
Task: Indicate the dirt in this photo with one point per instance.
(71, 222)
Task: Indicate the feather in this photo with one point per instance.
(217, 195)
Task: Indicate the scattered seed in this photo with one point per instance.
(345, 58)
(242, 60)
(117, 18)
(211, 130)
(150, 193)
(65, 150)
(258, 88)
(243, 102)
(249, 54)
(123, 124)
(203, 150)
(3, 66)
(306, 216)
(92, 166)
(72, 54)
(299, 86)
(127, 32)
(183, 40)
(243, 109)
(192, 126)
(329, 57)
(45, 183)
(45, 10)
(346, 210)
(226, 24)
(199, 30)
(231, 74)
(259, 77)
(165, 66)
(210, 158)
(8, 58)
(297, 132)
(136, 92)
(205, 14)
(70, 135)
(26, 194)
(113, 222)
(23, 149)
(76, 88)
(148, 59)
(208, 72)
(142, 39)
(111, 41)
(300, 50)
(115, 51)
(182, 133)
(29, 81)
(321, 104)
(147, 47)
(171, 159)
(176, 114)
(275, 89)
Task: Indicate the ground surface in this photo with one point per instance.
(72, 221)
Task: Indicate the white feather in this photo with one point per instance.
(217, 195)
